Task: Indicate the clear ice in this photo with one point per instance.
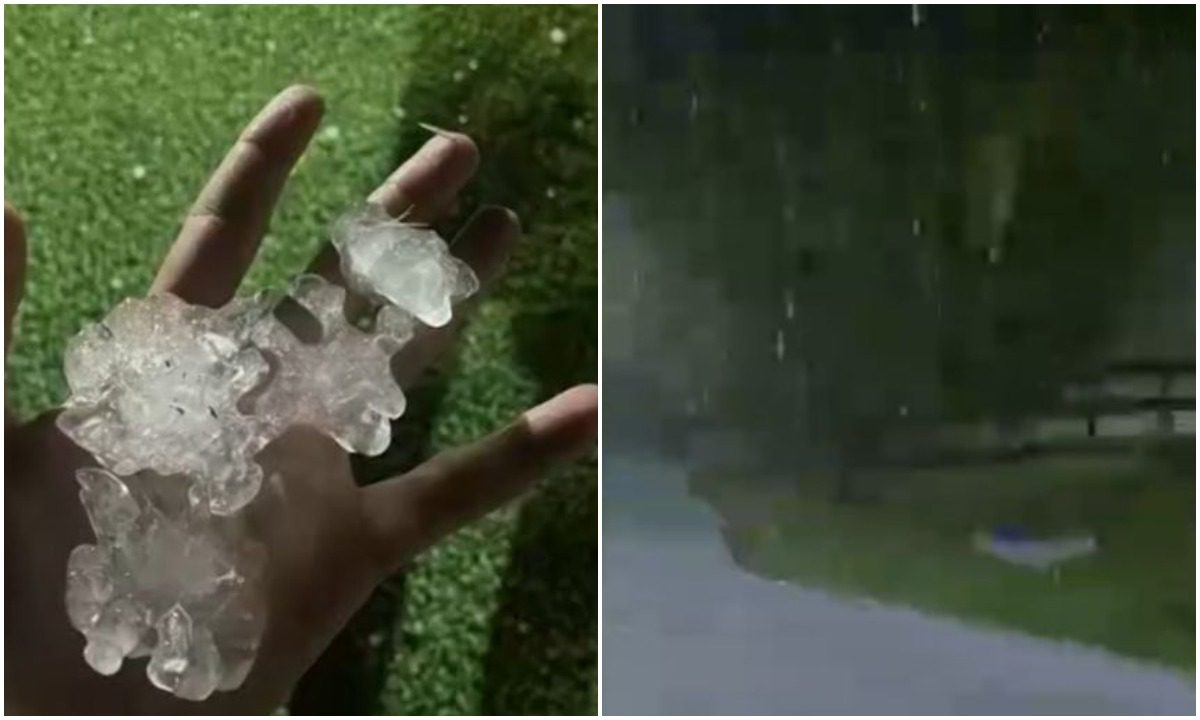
(166, 579)
(405, 265)
(155, 386)
(175, 401)
(341, 383)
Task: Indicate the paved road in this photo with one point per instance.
(687, 632)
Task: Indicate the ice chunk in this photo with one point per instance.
(89, 586)
(117, 631)
(155, 387)
(169, 579)
(185, 661)
(394, 326)
(341, 383)
(109, 504)
(407, 265)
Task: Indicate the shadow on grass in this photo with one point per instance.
(542, 654)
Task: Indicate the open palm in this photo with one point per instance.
(329, 541)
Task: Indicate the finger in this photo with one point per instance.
(222, 231)
(425, 186)
(408, 514)
(14, 269)
(485, 244)
(421, 189)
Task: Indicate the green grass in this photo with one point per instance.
(911, 545)
(115, 116)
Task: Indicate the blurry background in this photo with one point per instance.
(906, 296)
(114, 117)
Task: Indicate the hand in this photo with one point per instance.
(329, 541)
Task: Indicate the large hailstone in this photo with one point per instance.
(339, 382)
(165, 579)
(155, 386)
(407, 265)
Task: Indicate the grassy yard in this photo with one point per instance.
(114, 118)
(911, 545)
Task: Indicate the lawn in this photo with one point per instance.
(911, 545)
(114, 118)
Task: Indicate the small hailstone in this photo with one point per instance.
(551, 193)
(399, 113)
(458, 75)
(462, 119)
(138, 172)
(558, 36)
(473, 64)
(270, 45)
(331, 133)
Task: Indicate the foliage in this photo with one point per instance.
(903, 220)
